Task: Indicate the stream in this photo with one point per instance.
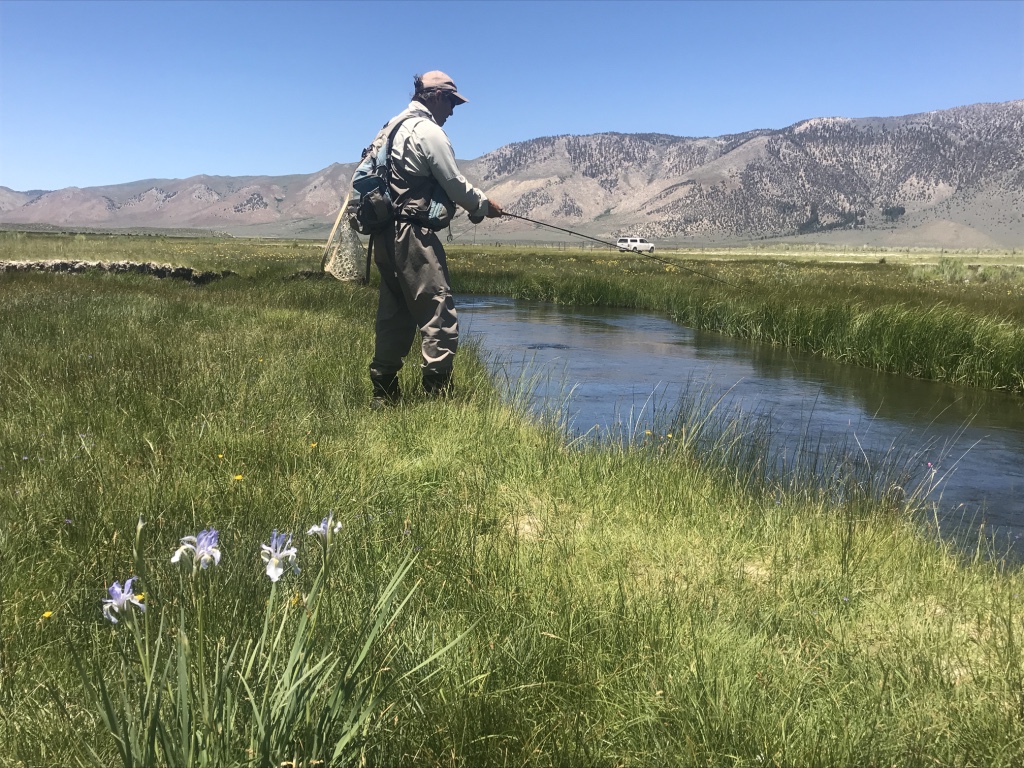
(608, 372)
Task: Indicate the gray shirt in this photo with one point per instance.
(421, 148)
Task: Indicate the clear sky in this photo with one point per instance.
(96, 93)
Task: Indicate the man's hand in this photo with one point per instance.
(494, 210)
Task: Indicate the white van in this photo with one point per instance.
(635, 244)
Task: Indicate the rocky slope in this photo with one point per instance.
(955, 176)
(952, 178)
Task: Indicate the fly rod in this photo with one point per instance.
(615, 245)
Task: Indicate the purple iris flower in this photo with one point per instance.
(121, 600)
(203, 547)
(327, 526)
(279, 554)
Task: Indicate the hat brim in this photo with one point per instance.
(458, 97)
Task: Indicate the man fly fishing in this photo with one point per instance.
(415, 289)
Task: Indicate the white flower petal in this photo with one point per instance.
(274, 569)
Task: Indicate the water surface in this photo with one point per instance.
(606, 367)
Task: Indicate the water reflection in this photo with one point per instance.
(624, 367)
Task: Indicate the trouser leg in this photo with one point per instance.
(395, 326)
(423, 271)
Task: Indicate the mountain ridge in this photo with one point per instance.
(950, 178)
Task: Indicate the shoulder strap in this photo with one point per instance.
(387, 150)
(391, 139)
(397, 202)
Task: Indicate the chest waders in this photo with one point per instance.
(415, 293)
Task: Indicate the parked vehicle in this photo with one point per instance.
(635, 244)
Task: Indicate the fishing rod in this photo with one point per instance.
(615, 245)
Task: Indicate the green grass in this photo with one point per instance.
(624, 606)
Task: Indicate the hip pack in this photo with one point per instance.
(437, 215)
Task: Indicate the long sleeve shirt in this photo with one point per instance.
(422, 148)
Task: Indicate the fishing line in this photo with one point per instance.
(452, 237)
(615, 245)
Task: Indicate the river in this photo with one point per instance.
(611, 372)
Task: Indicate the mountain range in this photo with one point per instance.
(951, 178)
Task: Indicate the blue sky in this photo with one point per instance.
(96, 93)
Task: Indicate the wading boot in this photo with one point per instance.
(437, 384)
(386, 391)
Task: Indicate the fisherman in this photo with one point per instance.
(415, 289)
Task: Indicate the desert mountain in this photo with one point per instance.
(951, 178)
(240, 205)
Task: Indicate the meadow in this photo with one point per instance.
(493, 596)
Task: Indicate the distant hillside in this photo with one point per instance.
(952, 178)
(270, 205)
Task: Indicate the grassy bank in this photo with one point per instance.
(946, 321)
(609, 607)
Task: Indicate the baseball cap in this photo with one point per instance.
(437, 80)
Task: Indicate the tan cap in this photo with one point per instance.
(438, 80)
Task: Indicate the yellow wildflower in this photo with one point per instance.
(47, 614)
(238, 477)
